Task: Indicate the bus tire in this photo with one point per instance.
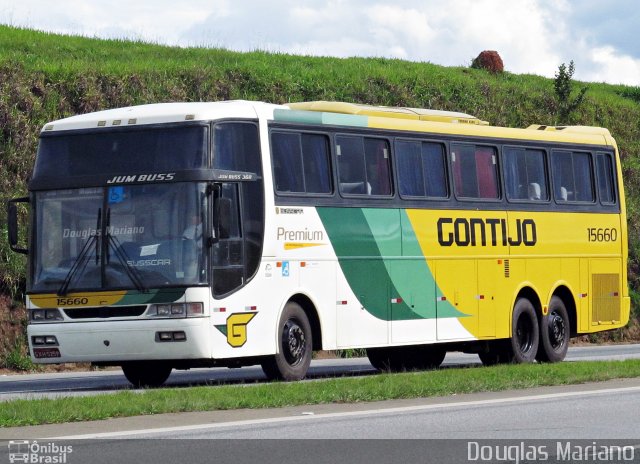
(554, 332)
(425, 357)
(379, 359)
(406, 358)
(295, 346)
(496, 352)
(525, 335)
(148, 374)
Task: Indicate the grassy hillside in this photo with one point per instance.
(46, 76)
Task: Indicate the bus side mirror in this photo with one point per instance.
(12, 224)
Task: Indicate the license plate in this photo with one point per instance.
(46, 353)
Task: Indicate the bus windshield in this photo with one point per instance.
(120, 237)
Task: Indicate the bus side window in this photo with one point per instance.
(301, 163)
(606, 182)
(421, 169)
(363, 165)
(475, 173)
(525, 174)
(572, 176)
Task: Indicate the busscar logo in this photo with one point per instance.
(142, 178)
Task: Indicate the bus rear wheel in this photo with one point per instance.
(149, 374)
(522, 346)
(295, 346)
(525, 336)
(554, 332)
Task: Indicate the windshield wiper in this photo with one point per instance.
(124, 260)
(82, 259)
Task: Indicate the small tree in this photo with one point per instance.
(562, 85)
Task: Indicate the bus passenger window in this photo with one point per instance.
(421, 169)
(474, 171)
(525, 174)
(572, 176)
(363, 165)
(606, 189)
(301, 163)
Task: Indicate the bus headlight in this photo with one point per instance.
(176, 310)
(45, 315)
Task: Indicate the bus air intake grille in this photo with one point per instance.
(105, 312)
(606, 299)
(506, 268)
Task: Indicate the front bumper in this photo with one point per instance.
(109, 341)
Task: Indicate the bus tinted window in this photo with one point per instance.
(421, 169)
(525, 174)
(236, 147)
(606, 189)
(572, 176)
(474, 171)
(363, 165)
(122, 151)
(301, 162)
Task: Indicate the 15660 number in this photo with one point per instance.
(72, 301)
(602, 234)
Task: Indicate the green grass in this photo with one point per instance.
(444, 382)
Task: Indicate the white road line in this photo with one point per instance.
(370, 412)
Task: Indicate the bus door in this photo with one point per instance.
(228, 270)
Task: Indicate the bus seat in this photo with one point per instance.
(564, 194)
(534, 191)
(352, 187)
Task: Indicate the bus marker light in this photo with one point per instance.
(279, 264)
(195, 309)
(545, 310)
(250, 308)
(303, 264)
(341, 302)
(396, 300)
(583, 295)
(441, 298)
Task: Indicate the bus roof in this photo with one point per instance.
(331, 113)
(434, 121)
(159, 113)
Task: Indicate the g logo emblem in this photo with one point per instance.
(237, 328)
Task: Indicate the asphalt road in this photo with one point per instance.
(63, 384)
(549, 424)
(556, 424)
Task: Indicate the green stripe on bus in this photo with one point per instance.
(316, 117)
(360, 239)
(153, 296)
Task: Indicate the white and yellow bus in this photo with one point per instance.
(172, 236)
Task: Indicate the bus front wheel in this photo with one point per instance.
(554, 332)
(149, 374)
(295, 346)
